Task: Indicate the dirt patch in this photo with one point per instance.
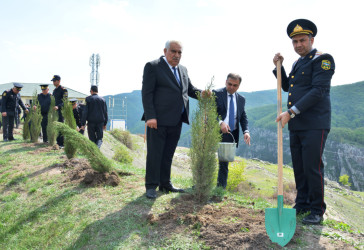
(80, 171)
(231, 227)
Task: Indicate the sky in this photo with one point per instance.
(40, 38)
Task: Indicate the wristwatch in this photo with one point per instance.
(291, 113)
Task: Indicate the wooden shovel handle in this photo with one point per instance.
(279, 129)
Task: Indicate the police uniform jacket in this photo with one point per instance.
(95, 110)
(308, 87)
(10, 101)
(44, 102)
(59, 94)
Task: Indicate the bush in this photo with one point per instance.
(123, 136)
(52, 117)
(70, 147)
(93, 154)
(122, 155)
(344, 180)
(35, 120)
(236, 174)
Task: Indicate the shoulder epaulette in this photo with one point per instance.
(318, 53)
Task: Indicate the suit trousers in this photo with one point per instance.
(307, 147)
(161, 145)
(224, 166)
(95, 132)
(8, 126)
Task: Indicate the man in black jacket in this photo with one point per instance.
(44, 100)
(230, 107)
(60, 93)
(165, 91)
(308, 117)
(95, 114)
(10, 101)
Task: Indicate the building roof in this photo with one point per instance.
(30, 88)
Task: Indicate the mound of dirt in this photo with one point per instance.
(224, 227)
(80, 171)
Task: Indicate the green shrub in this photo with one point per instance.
(344, 180)
(70, 147)
(122, 155)
(236, 174)
(93, 154)
(123, 136)
(52, 117)
(35, 119)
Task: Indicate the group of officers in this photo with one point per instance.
(94, 112)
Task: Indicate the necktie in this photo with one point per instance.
(231, 114)
(179, 82)
(175, 74)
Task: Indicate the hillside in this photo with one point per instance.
(44, 206)
(344, 153)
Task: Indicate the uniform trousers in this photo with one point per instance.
(44, 124)
(60, 139)
(161, 145)
(8, 127)
(224, 166)
(307, 147)
(95, 132)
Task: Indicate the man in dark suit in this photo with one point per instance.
(165, 91)
(95, 114)
(308, 117)
(230, 107)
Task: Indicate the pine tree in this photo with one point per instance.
(96, 159)
(205, 138)
(35, 119)
(26, 132)
(52, 117)
(70, 148)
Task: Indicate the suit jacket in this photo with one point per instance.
(221, 105)
(163, 98)
(308, 85)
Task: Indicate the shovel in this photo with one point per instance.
(280, 223)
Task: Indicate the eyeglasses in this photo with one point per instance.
(19, 89)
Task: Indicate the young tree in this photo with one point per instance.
(35, 119)
(70, 148)
(205, 138)
(52, 117)
(96, 159)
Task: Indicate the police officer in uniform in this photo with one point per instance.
(44, 100)
(77, 114)
(10, 101)
(59, 94)
(95, 114)
(308, 117)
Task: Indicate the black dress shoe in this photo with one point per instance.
(151, 193)
(312, 219)
(170, 188)
(12, 139)
(6, 140)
